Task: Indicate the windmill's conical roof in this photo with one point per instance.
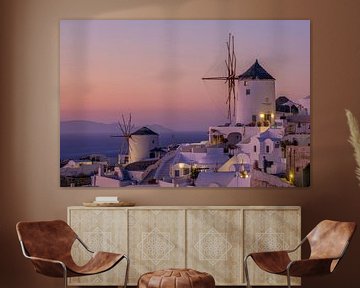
(144, 131)
(256, 71)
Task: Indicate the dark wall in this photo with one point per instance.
(29, 119)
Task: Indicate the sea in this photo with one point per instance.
(76, 146)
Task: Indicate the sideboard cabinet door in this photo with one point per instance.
(214, 244)
(156, 240)
(270, 230)
(101, 230)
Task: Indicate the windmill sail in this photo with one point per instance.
(126, 127)
(230, 78)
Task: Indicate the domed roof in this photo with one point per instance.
(144, 131)
(256, 71)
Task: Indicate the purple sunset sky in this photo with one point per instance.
(153, 68)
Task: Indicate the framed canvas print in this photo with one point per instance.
(185, 103)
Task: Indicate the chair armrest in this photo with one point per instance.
(83, 244)
(309, 267)
(45, 260)
(48, 267)
(268, 253)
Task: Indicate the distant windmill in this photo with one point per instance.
(229, 78)
(126, 127)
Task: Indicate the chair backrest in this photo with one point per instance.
(46, 239)
(329, 239)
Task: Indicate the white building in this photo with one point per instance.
(232, 134)
(265, 151)
(291, 108)
(187, 159)
(75, 168)
(221, 179)
(255, 102)
(199, 157)
(305, 103)
(298, 124)
(238, 159)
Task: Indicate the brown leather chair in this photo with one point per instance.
(48, 245)
(328, 242)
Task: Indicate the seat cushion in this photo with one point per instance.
(176, 278)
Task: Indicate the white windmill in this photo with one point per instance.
(255, 99)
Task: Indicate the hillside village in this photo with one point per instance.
(266, 144)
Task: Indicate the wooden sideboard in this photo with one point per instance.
(212, 239)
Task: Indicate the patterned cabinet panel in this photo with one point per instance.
(156, 240)
(269, 230)
(101, 230)
(214, 244)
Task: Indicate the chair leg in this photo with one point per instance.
(288, 278)
(246, 270)
(65, 276)
(126, 271)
